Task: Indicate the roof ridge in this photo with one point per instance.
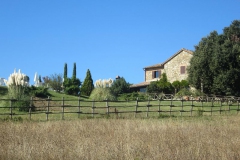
(174, 55)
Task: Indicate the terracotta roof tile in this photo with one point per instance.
(142, 84)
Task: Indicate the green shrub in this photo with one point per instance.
(188, 92)
(100, 94)
(184, 92)
(199, 112)
(23, 105)
(3, 90)
(38, 92)
(72, 90)
(163, 85)
(87, 85)
(16, 119)
(120, 86)
(132, 96)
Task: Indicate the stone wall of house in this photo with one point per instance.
(149, 74)
(172, 67)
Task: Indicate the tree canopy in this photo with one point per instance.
(65, 71)
(120, 86)
(71, 85)
(163, 85)
(215, 65)
(55, 82)
(87, 85)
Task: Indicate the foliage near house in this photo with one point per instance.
(120, 86)
(163, 85)
(87, 85)
(132, 96)
(215, 66)
(176, 85)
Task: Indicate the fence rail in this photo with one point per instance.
(45, 109)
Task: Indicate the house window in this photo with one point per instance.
(156, 74)
(183, 69)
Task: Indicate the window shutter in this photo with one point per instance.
(159, 73)
(153, 74)
(183, 69)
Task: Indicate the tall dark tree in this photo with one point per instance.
(40, 79)
(165, 85)
(74, 75)
(215, 66)
(120, 86)
(65, 71)
(87, 85)
(71, 85)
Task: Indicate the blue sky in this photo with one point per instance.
(109, 37)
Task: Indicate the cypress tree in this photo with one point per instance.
(71, 85)
(65, 71)
(40, 79)
(87, 86)
(74, 71)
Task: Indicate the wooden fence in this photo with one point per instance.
(45, 109)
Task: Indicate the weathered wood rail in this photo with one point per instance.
(171, 106)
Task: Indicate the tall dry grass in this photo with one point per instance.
(198, 138)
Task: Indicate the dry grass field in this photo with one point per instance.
(216, 137)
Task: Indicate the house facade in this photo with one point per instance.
(174, 67)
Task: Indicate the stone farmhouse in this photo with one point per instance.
(174, 67)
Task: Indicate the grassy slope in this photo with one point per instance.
(71, 105)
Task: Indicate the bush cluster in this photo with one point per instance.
(164, 86)
(132, 96)
(100, 94)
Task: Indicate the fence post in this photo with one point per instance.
(148, 107)
(182, 105)
(220, 106)
(212, 107)
(136, 108)
(170, 111)
(107, 106)
(191, 105)
(30, 108)
(11, 107)
(48, 102)
(238, 105)
(229, 106)
(93, 108)
(62, 108)
(159, 104)
(79, 107)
